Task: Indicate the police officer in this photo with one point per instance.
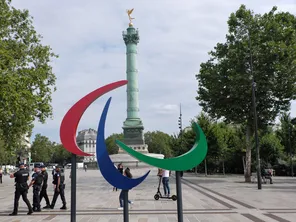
(58, 181)
(53, 171)
(36, 181)
(21, 189)
(43, 192)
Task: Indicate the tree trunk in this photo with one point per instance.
(206, 168)
(244, 164)
(223, 167)
(195, 170)
(248, 155)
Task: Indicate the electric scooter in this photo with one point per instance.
(159, 195)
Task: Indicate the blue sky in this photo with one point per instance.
(175, 37)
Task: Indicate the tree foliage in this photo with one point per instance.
(3, 153)
(208, 126)
(110, 143)
(60, 155)
(26, 76)
(44, 150)
(41, 149)
(225, 79)
(271, 149)
(158, 142)
(286, 132)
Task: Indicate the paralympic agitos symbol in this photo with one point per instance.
(68, 137)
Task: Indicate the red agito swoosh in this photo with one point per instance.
(71, 120)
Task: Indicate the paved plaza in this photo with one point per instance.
(207, 199)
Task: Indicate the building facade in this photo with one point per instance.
(86, 141)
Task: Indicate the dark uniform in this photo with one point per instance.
(59, 190)
(120, 169)
(21, 189)
(43, 192)
(38, 179)
(1, 175)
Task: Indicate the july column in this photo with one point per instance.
(131, 39)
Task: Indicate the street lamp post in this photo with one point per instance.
(293, 122)
(254, 89)
(259, 182)
(290, 148)
(180, 123)
(179, 174)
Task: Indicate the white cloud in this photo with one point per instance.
(165, 109)
(175, 37)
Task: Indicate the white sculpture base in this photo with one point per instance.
(129, 161)
(141, 148)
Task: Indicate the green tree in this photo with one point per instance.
(207, 124)
(26, 77)
(187, 140)
(41, 149)
(225, 79)
(235, 152)
(158, 142)
(270, 149)
(110, 143)
(175, 145)
(286, 132)
(3, 154)
(225, 134)
(60, 155)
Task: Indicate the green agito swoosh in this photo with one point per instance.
(184, 162)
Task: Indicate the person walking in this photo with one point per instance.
(36, 182)
(1, 174)
(165, 182)
(159, 172)
(21, 189)
(58, 181)
(85, 167)
(128, 174)
(120, 169)
(53, 171)
(43, 192)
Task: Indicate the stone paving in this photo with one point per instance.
(206, 199)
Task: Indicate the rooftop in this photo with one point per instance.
(87, 134)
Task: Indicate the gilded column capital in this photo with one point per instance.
(131, 37)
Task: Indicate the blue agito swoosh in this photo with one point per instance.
(107, 168)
